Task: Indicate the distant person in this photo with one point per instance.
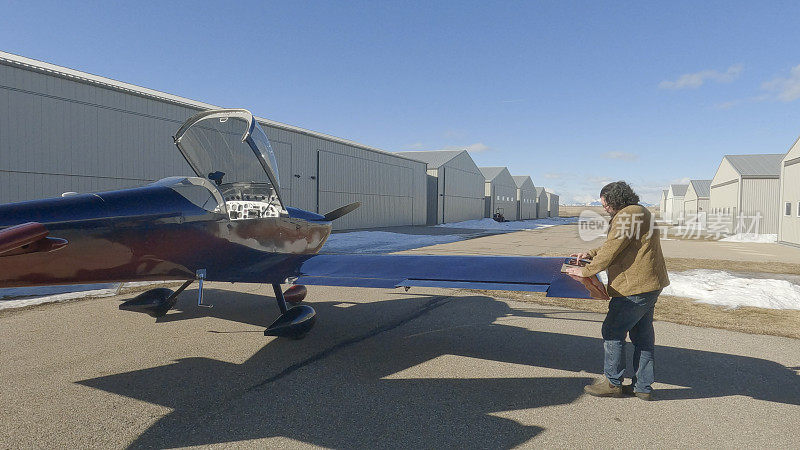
(636, 275)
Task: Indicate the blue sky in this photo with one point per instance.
(574, 94)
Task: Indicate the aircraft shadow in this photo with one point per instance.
(340, 397)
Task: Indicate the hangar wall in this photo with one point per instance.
(64, 130)
(463, 185)
(789, 214)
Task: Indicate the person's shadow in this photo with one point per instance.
(341, 396)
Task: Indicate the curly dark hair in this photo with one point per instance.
(618, 195)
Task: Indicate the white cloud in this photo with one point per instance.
(472, 148)
(416, 145)
(684, 180)
(554, 175)
(697, 79)
(621, 155)
(477, 147)
(785, 89)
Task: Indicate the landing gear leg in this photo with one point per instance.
(293, 322)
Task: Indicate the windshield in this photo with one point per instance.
(228, 147)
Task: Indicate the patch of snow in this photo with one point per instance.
(382, 242)
(38, 295)
(722, 288)
(515, 225)
(751, 237)
(730, 290)
(64, 295)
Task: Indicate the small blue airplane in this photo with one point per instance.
(229, 223)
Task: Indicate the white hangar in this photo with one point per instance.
(748, 185)
(552, 204)
(673, 209)
(65, 130)
(456, 185)
(542, 203)
(789, 223)
(526, 197)
(663, 203)
(500, 192)
(695, 203)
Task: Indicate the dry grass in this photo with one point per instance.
(681, 264)
(686, 311)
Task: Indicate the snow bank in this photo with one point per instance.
(751, 237)
(718, 287)
(517, 225)
(722, 288)
(30, 296)
(382, 242)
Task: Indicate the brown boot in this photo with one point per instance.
(627, 389)
(603, 388)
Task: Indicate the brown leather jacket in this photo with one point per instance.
(631, 254)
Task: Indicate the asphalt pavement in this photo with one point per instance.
(428, 368)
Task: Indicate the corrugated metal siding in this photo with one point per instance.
(461, 190)
(527, 203)
(790, 192)
(542, 205)
(60, 135)
(463, 194)
(724, 200)
(552, 210)
(761, 196)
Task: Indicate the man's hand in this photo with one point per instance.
(575, 271)
(583, 255)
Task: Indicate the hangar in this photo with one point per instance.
(500, 191)
(542, 203)
(65, 130)
(526, 197)
(663, 203)
(747, 185)
(695, 203)
(789, 223)
(674, 203)
(552, 204)
(457, 193)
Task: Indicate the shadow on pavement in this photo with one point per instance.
(336, 393)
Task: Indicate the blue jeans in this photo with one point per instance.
(630, 315)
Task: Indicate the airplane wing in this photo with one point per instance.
(511, 273)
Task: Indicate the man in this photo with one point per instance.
(636, 275)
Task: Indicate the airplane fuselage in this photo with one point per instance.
(152, 233)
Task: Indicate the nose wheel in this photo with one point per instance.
(294, 322)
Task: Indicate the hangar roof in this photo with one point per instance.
(767, 165)
(701, 187)
(490, 173)
(678, 190)
(520, 180)
(34, 65)
(434, 158)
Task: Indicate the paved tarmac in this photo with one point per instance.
(427, 368)
(564, 239)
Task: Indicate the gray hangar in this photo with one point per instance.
(456, 185)
(552, 204)
(542, 203)
(789, 224)
(65, 130)
(748, 186)
(526, 197)
(500, 192)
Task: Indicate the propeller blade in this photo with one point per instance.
(339, 212)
